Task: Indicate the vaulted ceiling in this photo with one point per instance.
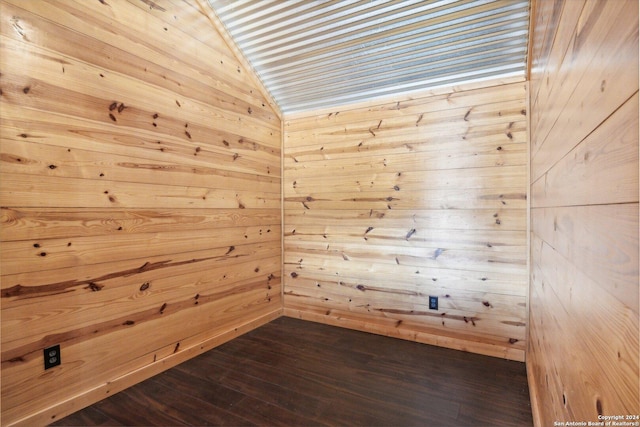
(313, 54)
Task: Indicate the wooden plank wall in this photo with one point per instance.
(140, 195)
(583, 353)
(388, 204)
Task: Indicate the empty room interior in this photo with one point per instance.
(436, 202)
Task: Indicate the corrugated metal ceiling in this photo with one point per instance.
(316, 54)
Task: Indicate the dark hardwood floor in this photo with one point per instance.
(296, 373)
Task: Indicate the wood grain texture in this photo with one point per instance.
(385, 205)
(140, 197)
(583, 350)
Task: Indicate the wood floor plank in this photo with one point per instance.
(350, 380)
(90, 416)
(292, 372)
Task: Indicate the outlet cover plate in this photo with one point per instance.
(52, 356)
(433, 303)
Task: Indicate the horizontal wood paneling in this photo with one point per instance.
(59, 253)
(73, 133)
(613, 259)
(35, 158)
(608, 155)
(454, 198)
(388, 204)
(583, 347)
(581, 80)
(203, 278)
(140, 197)
(31, 223)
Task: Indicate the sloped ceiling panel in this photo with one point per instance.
(316, 54)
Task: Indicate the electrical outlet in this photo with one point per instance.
(433, 303)
(52, 356)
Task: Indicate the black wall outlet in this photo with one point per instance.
(52, 356)
(433, 303)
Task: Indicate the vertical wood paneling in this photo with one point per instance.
(140, 197)
(583, 350)
(388, 204)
